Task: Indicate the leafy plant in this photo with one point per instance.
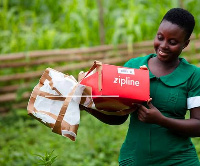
(47, 160)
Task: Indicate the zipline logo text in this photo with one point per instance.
(126, 81)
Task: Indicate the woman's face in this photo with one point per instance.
(169, 41)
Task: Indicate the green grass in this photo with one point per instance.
(24, 138)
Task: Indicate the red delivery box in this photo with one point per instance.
(116, 88)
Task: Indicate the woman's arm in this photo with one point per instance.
(189, 127)
(108, 119)
(185, 127)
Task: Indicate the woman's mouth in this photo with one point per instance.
(163, 53)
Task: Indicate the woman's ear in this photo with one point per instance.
(186, 43)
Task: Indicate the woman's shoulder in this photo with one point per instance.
(196, 73)
(191, 72)
(190, 67)
(138, 61)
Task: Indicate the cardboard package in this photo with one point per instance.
(55, 102)
(116, 88)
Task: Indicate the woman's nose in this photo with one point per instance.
(164, 45)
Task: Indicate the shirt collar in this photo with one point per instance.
(178, 76)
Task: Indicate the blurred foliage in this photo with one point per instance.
(48, 24)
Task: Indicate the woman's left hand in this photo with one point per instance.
(151, 115)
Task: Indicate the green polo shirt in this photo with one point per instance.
(173, 94)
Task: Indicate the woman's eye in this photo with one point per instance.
(160, 37)
(172, 42)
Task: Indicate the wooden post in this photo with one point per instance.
(181, 5)
(101, 23)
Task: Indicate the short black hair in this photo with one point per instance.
(182, 18)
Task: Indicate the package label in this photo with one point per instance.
(126, 71)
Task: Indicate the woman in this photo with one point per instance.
(158, 133)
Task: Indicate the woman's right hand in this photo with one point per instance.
(149, 115)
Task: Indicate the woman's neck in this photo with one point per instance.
(160, 68)
(166, 65)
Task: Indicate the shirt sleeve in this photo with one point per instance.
(128, 63)
(134, 62)
(193, 99)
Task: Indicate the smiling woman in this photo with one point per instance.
(158, 132)
(161, 129)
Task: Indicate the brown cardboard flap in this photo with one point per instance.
(57, 128)
(98, 66)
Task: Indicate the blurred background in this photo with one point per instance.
(68, 35)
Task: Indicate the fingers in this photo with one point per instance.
(142, 109)
(144, 67)
(149, 103)
(141, 115)
(149, 100)
(135, 106)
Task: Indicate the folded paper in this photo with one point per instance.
(55, 102)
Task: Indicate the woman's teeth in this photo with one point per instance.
(162, 53)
